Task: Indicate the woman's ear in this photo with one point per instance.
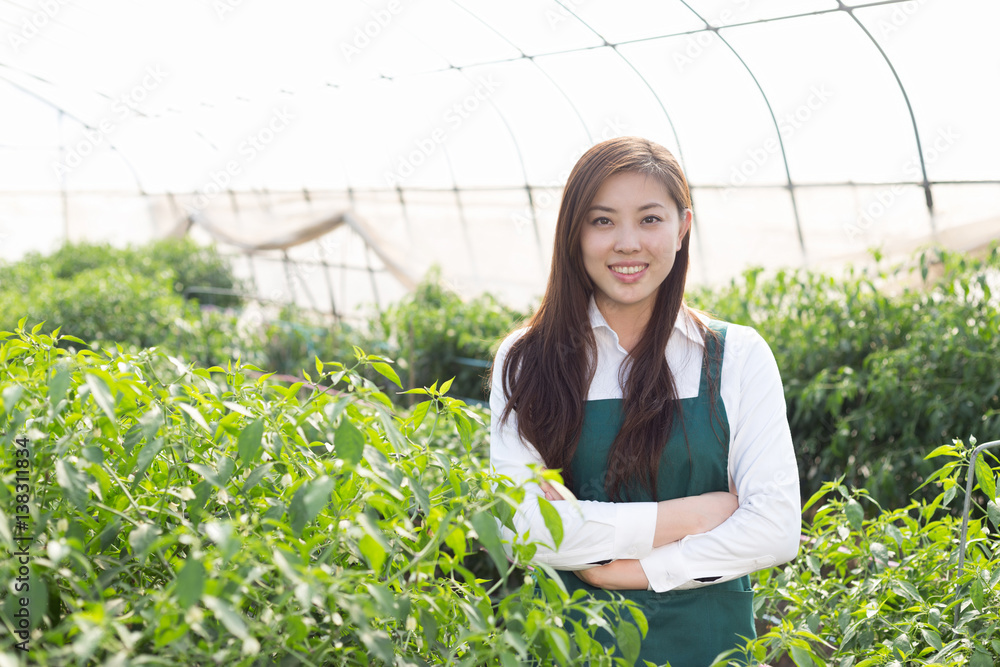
(686, 217)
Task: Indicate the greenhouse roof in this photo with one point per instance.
(340, 149)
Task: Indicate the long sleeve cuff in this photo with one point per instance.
(636, 523)
(664, 568)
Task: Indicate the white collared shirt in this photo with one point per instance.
(763, 532)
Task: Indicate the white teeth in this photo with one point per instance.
(628, 270)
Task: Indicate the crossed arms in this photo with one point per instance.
(687, 542)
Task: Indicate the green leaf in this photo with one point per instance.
(508, 659)
(552, 520)
(348, 442)
(141, 539)
(993, 512)
(906, 589)
(254, 477)
(378, 642)
(11, 395)
(464, 429)
(58, 386)
(190, 582)
(950, 493)
(309, 500)
(801, 656)
(984, 474)
(640, 619)
(981, 659)
(73, 482)
(932, 638)
(420, 493)
(902, 645)
(978, 594)
(144, 458)
(206, 473)
(815, 497)
(558, 641)
(627, 636)
(229, 618)
(222, 535)
(942, 451)
(419, 413)
(373, 551)
(102, 395)
(446, 386)
(195, 415)
(386, 371)
(489, 536)
(225, 467)
(855, 514)
(248, 443)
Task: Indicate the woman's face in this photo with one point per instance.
(630, 237)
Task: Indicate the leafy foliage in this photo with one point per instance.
(879, 368)
(883, 591)
(128, 296)
(183, 515)
(433, 331)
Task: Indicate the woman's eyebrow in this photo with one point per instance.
(608, 209)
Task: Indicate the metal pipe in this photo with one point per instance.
(969, 483)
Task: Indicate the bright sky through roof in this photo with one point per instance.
(429, 118)
(185, 86)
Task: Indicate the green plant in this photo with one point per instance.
(200, 272)
(434, 334)
(883, 590)
(184, 515)
(879, 367)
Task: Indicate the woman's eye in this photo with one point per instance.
(601, 222)
(651, 219)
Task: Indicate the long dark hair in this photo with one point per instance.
(548, 370)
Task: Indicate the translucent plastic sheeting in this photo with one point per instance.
(810, 130)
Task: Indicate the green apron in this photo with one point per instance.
(688, 628)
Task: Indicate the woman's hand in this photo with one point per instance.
(550, 491)
(618, 575)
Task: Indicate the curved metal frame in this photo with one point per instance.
(774, 119)
(790, 185)
(909, 107)
(663, 107)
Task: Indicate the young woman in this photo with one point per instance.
(669, 428)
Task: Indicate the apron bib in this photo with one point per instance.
(688, 628)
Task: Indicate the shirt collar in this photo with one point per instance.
(685, 322)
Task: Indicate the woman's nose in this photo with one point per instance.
(627, 239)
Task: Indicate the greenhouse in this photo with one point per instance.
(262, 265)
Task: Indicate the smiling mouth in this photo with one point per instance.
(628, 270)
